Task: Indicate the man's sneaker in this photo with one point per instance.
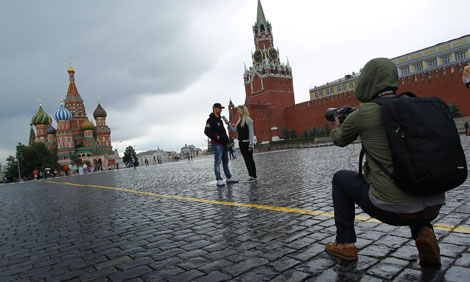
(343, 251)
(220, 183)
(230, 180)
(251, 179)
(428, 248)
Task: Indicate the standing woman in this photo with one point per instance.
(244, 127)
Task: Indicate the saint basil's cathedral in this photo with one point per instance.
(75, 134)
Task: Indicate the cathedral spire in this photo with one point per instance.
(260, 18)
(72, 92)
(32, 135)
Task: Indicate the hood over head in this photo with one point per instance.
(378, 75)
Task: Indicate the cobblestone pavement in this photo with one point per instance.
(171, 223)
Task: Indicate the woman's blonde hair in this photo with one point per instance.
(243, 116)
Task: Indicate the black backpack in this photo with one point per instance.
(426, 151)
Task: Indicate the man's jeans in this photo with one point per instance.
(221, 155)
(350, 189)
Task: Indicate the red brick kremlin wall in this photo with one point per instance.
(443, 83)
(448, 86)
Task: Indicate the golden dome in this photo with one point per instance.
(87, 125)
(71, 69)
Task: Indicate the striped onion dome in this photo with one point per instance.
(87, 125)
(62, 113)
(50, 130)
(99, 112)
(41, 117)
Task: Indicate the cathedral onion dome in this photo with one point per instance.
(50, 130)
(41, 117)
(62, 113)
(87, 125)
(71, 69)
(99, 112)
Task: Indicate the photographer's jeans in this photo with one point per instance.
(221, 155)
(348, 189)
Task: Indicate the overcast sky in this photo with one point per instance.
(158, 66)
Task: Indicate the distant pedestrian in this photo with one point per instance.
(35, 174)
(467, 127)
(85, 168)
(245, 130)
(216, 132)
(133, 163)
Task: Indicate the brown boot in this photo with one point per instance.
(344, 251)
(428, 248)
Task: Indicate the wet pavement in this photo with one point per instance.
(171, 223)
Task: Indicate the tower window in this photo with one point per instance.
(445, 60)
(261, 28)
(461, 56)
(431, 64)
(404, 70)
(418, 67)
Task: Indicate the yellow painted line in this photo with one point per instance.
(460, 229)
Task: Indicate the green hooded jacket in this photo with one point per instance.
(377, 76)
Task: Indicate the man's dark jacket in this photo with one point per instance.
(215, 127)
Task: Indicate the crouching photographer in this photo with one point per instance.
(374, 191)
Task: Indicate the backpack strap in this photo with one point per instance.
(361, 156)
(379, 164)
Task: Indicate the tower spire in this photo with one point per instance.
(260, 18)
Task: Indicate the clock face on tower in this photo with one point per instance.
(257, 56)
(272, 54)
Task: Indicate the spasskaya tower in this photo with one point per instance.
(268, 82)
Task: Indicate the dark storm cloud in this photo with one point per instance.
(119, 50)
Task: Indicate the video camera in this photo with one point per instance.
(340, 113)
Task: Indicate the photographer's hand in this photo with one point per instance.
(337, 123)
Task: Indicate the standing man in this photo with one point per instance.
(215, 130)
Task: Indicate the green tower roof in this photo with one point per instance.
(260, 18)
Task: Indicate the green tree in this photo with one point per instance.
(305, 134)
(36, 156)
(313, 131)
(454, 110)
(130, 155)
(327, 128)
(285, 133)
(293, 133)
(12, 167)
